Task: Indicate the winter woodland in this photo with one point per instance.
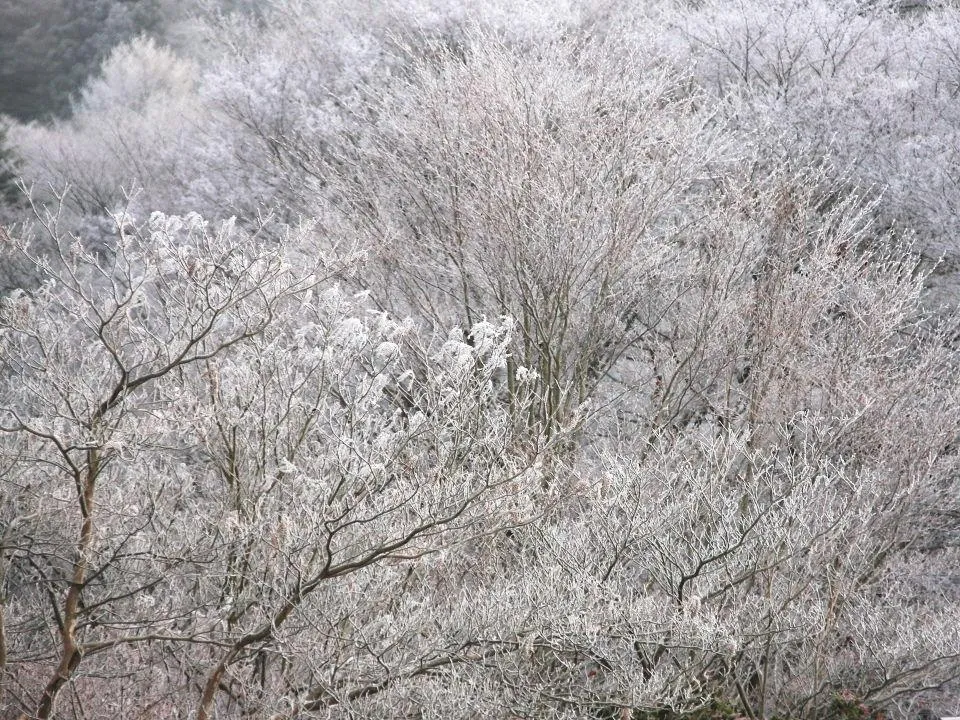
(523, 360)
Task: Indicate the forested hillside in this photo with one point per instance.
(529, 359)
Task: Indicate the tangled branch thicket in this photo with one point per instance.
(603, 380)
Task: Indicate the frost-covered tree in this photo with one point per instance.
(543, 183)
(48, 48)
(11, 196)
(128, 131)
(208, 467)
(232, 488)
(868, 85)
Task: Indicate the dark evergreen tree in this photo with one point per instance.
(48, 48)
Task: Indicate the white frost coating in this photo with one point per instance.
(386, 352)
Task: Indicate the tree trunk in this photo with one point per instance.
(70, 654)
